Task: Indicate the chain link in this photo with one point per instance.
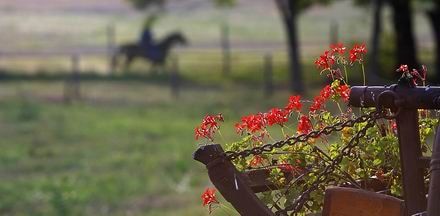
(299, 202)
(377, 114)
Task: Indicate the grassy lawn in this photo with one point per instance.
(126, 149)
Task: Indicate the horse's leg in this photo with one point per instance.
(153, 69)
(114, 63)
(128, 61)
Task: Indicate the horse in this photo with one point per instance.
(160, 51)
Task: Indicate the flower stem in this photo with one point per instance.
(226, 208)
(363, 72)
(282, 130)
(339, 107)
(346, 75)
(331, 73)
(221, 136)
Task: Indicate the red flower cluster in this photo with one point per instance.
(319, 100)
(338, 48)
(252, 123)
(412, 76)
(343, 91)
(277, 116)
(285, 167)
(304, 125)
(208, 126)
(289, 168)
(256, 160)
(325, 61)
(357, 52)
(294, 104)
(317, 104)
(209, 198)
(403, 69)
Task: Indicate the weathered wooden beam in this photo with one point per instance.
(412, 98)
(407, 100)
(348, 201)
(434, 183)
(414, 191)
(232, 184)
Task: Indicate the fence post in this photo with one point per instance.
(72, 84)
(268, 75)
(111, 48)
(174, 77)
(334, 32)
(226, 50)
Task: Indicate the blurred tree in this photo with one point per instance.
(143, 4)
(373, 70)
(403, 27)
(289, 10)
(405, 43)
(433, 13)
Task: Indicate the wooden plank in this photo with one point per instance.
(230, 182)
(410, 153)
(413, 98)
(349, 202)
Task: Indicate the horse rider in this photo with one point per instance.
(147, 42)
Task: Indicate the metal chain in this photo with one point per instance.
(377, 114)
(323, 176)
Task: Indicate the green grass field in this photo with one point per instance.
(125, 150)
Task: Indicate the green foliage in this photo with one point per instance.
(387, 53)
(143, 4)
(225, 3)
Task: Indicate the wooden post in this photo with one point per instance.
(111, 49)
(174, 77)
(434, 182)
(72, 84)
(409, 100)
(226, 50)
(230, 182)
(410, 152)
(268, 75)
(334, 32)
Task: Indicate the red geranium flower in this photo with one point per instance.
(277, 116)
(285, 167)
(393, 125)
(209, 125)
(208, 197)
(326, 92)
(256, 160)
(294, 104)
(304, 125)
(412, 76)
(325, 61)
(343, 91)
(289, 168)
(357, 52)
(318, 101)
(403, 69)
(338, 48)
(252, 123)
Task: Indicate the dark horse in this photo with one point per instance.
(157, 56)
